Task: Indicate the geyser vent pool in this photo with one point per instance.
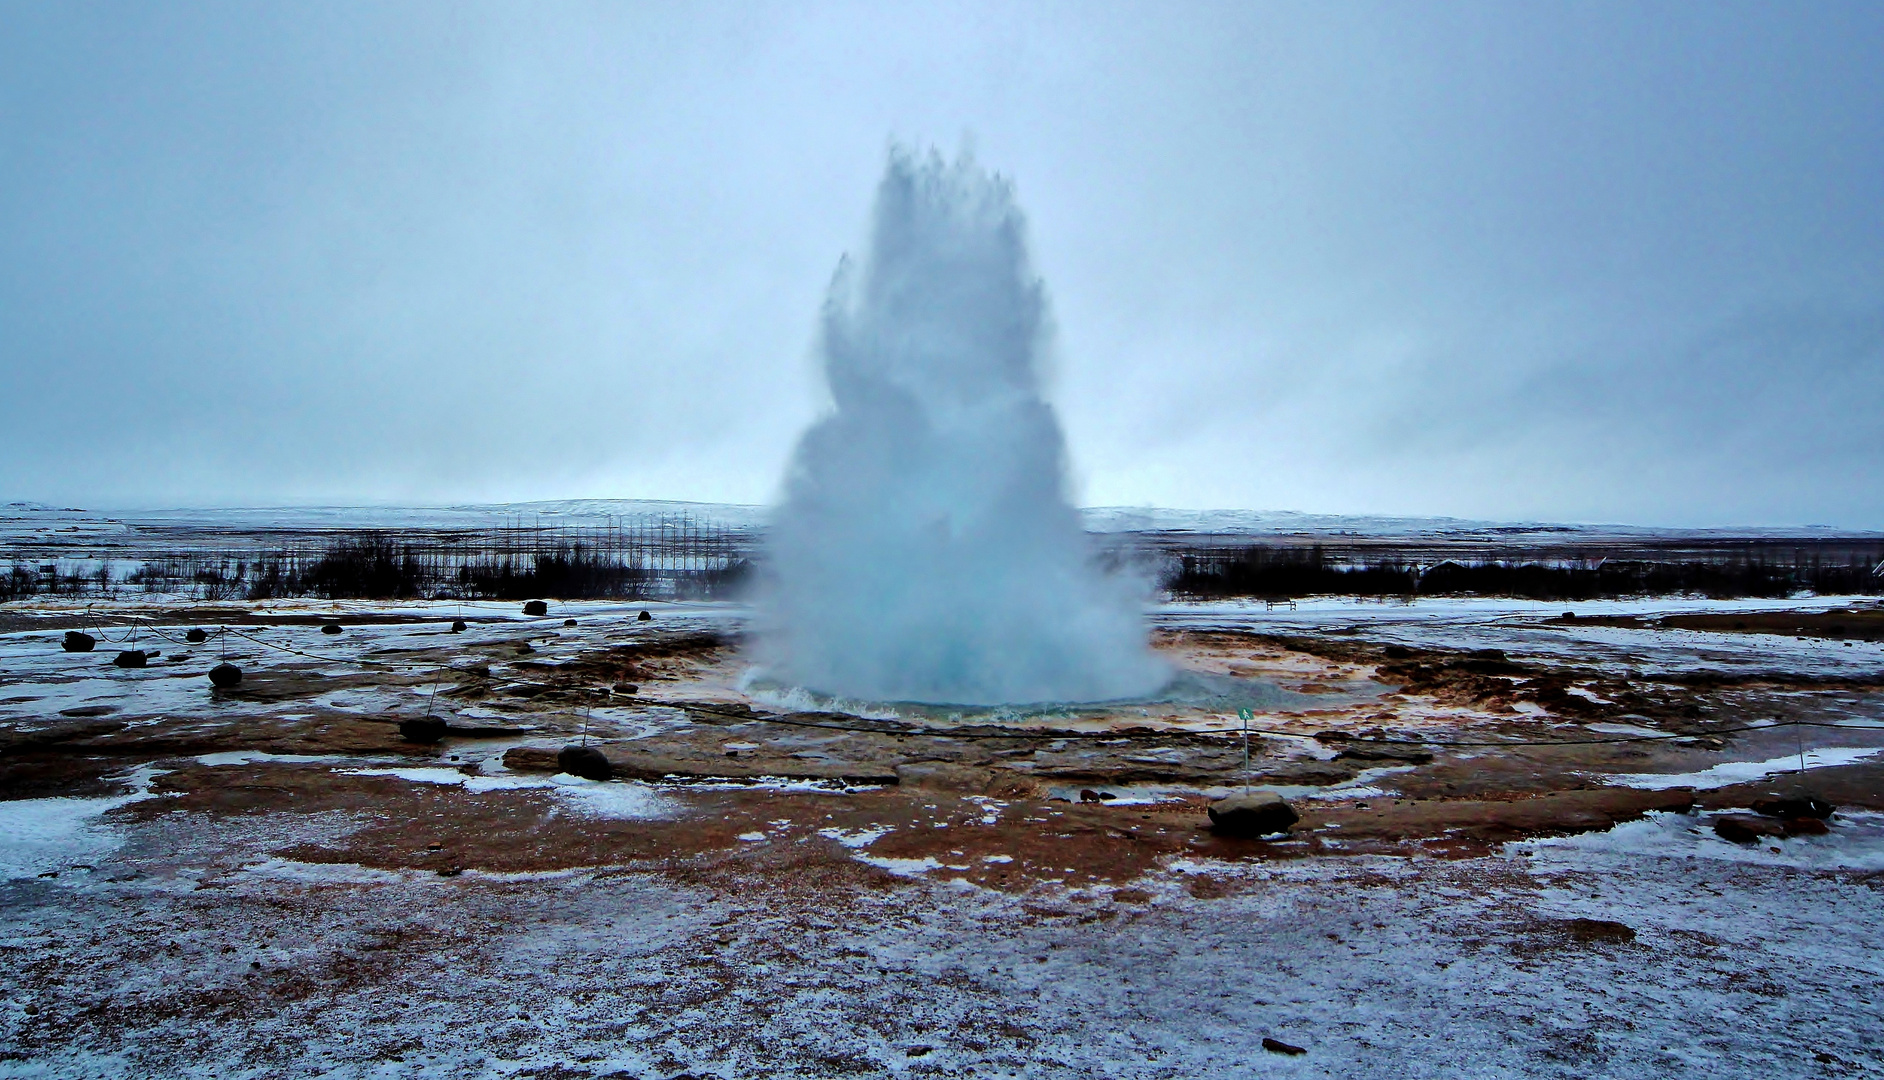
(926, 549)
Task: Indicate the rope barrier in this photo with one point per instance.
(93, 621)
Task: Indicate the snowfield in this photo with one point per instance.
(272, 884)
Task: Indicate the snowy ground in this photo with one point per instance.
(226, 905)
(1691, 957)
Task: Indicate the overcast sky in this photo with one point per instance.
(1574, 262)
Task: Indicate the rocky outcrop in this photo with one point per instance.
(1252, 814)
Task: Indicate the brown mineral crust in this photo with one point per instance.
(1850, 624)
(1492, 820)
(323, 732)
(1856, 786)
(1535, 936)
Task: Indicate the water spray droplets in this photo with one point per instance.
(927, 549)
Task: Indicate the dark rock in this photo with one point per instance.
(1569, 616)
(586, 762)
(1797, 806)
(450, 871)
(1251, 814)
(330, 628)
(457, 626)
(535, 607)
(1332, 736)
(131, 658)
(569, 622)
(1397, 652)
(625, 688)
(1277, 1046)
(422, 729)
(77, 642)
(1088, 795)
(1599, 931)
(1806, 826)
(225, 675)
(1746, 829)
(531, 759)
(196, 635)
(643, 617)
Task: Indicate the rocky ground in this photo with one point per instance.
(1530, 843)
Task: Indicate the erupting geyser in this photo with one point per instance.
(926, 549)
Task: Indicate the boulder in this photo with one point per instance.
(531, 759)
(625, 688)
(644, 616)
(225, 675)
(1747, 829)
(330, 628)
(78, 642)
(1806, 826)
(1252, 813)
(569, 622)
(422, 729)
(457, 626)
(586, 762)
(1797, 806)
(196, 635)
(131, 658)
(535, 607)
(1277, 1046)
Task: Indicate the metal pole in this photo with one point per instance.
(1245, 717)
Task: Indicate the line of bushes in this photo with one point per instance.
(375, 566)
(1262, 570)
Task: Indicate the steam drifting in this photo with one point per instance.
(926, 549)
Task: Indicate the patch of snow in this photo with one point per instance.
(623, 799)
(323, 873)
(1739, 772)
(902, 867)
(40, 836)
(1855, 842)
(856, 838)
(250, 757)
(1629, 729)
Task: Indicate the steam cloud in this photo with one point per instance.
(926, 549)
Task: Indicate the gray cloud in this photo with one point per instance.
(1582, 261)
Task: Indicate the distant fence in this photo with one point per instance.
(662, 556)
